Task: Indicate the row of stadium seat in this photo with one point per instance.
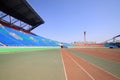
(11, 37)
(67, 45)
(0, 44)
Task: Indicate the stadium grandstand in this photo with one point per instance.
(17, 20)
(113, 42)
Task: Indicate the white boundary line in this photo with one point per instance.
(63, 65)
(81, 67)
(100, 68)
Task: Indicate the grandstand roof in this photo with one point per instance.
(21, 10)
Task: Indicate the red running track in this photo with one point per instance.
(78, 69)
(110, 55)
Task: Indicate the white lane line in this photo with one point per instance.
(101, 68)
(64, 66)
(81, 67)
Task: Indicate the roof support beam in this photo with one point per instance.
(21, 10)
(3, 16)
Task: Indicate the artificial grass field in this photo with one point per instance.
(31, 64)
(22, 49)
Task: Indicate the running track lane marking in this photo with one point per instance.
(64, 66)
(100, 68)
(81, 67)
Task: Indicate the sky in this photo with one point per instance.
(66, 20)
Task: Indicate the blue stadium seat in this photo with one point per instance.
(0, 44)
(26, 40)
(7, 39)
(11, 37)
(67, 45)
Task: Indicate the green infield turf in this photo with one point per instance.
(9, 50)
(32, 65)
